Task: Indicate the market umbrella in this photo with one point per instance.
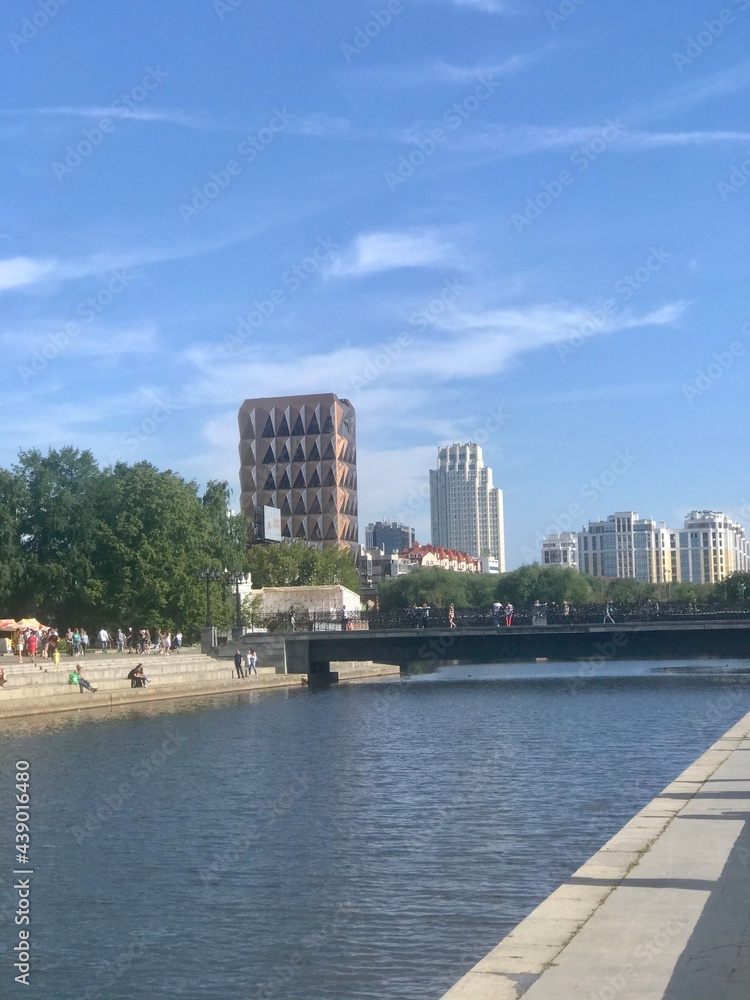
(8, 624)
(30, 623)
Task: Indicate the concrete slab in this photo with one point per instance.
(662, 912)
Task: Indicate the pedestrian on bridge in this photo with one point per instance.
(497, 609)
(509, 614)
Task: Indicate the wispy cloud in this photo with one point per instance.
(689, 95)
(18, 272)
(464, 344)
(372, 253)
(321, 125)
(509, 140)
(25, 272)
(173, 116)
(440, 71)
(485, 6)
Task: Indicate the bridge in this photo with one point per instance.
(314, 650)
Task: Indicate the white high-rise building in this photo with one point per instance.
(466, 509)
(626, 546)
(710, 546)
(707, 549)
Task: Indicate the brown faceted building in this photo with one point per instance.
(299, 454)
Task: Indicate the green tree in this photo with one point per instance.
(12, 503)
(58, 533)
(298, 564)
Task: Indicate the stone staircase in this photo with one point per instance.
(34, 687)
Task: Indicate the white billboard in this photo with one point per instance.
(271, 524)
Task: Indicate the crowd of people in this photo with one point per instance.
(47, 643)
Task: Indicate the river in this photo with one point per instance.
(365, 842)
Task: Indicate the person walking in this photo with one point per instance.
(497, 610)
(238, 658)
(451, 617)
(120, 641)
(608, 614)
(31, 644)
(104, 639)
(509, 614)
(52, 651)
(84, 641)
(178, 641)
(250, 662)
(292, 622)
(77, 644)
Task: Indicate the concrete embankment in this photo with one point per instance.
(36, 689)
(661, 912)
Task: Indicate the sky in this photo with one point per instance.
(518, 223)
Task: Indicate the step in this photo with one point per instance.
(63, 689)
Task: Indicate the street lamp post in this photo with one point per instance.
(237, 577)
(208, 574)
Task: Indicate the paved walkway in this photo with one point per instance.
(662, 912)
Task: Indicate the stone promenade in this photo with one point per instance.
(661, 912)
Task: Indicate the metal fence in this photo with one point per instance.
(542, 615)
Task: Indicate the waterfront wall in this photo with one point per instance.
(659, 912)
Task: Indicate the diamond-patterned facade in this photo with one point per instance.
(299, 453)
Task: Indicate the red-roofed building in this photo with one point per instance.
(437, 555)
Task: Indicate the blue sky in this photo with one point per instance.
(518, 223)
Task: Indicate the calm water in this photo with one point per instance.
(370, 841)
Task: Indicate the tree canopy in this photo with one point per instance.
(110, 547)
(298, 564)
(549, 585)
(126, 546)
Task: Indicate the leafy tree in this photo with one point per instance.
(58, 531)
(12, 499)
(298, 564)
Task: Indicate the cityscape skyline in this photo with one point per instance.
(430, 224)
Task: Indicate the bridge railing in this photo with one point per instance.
(542, 615)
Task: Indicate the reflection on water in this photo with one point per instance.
(368, 841)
